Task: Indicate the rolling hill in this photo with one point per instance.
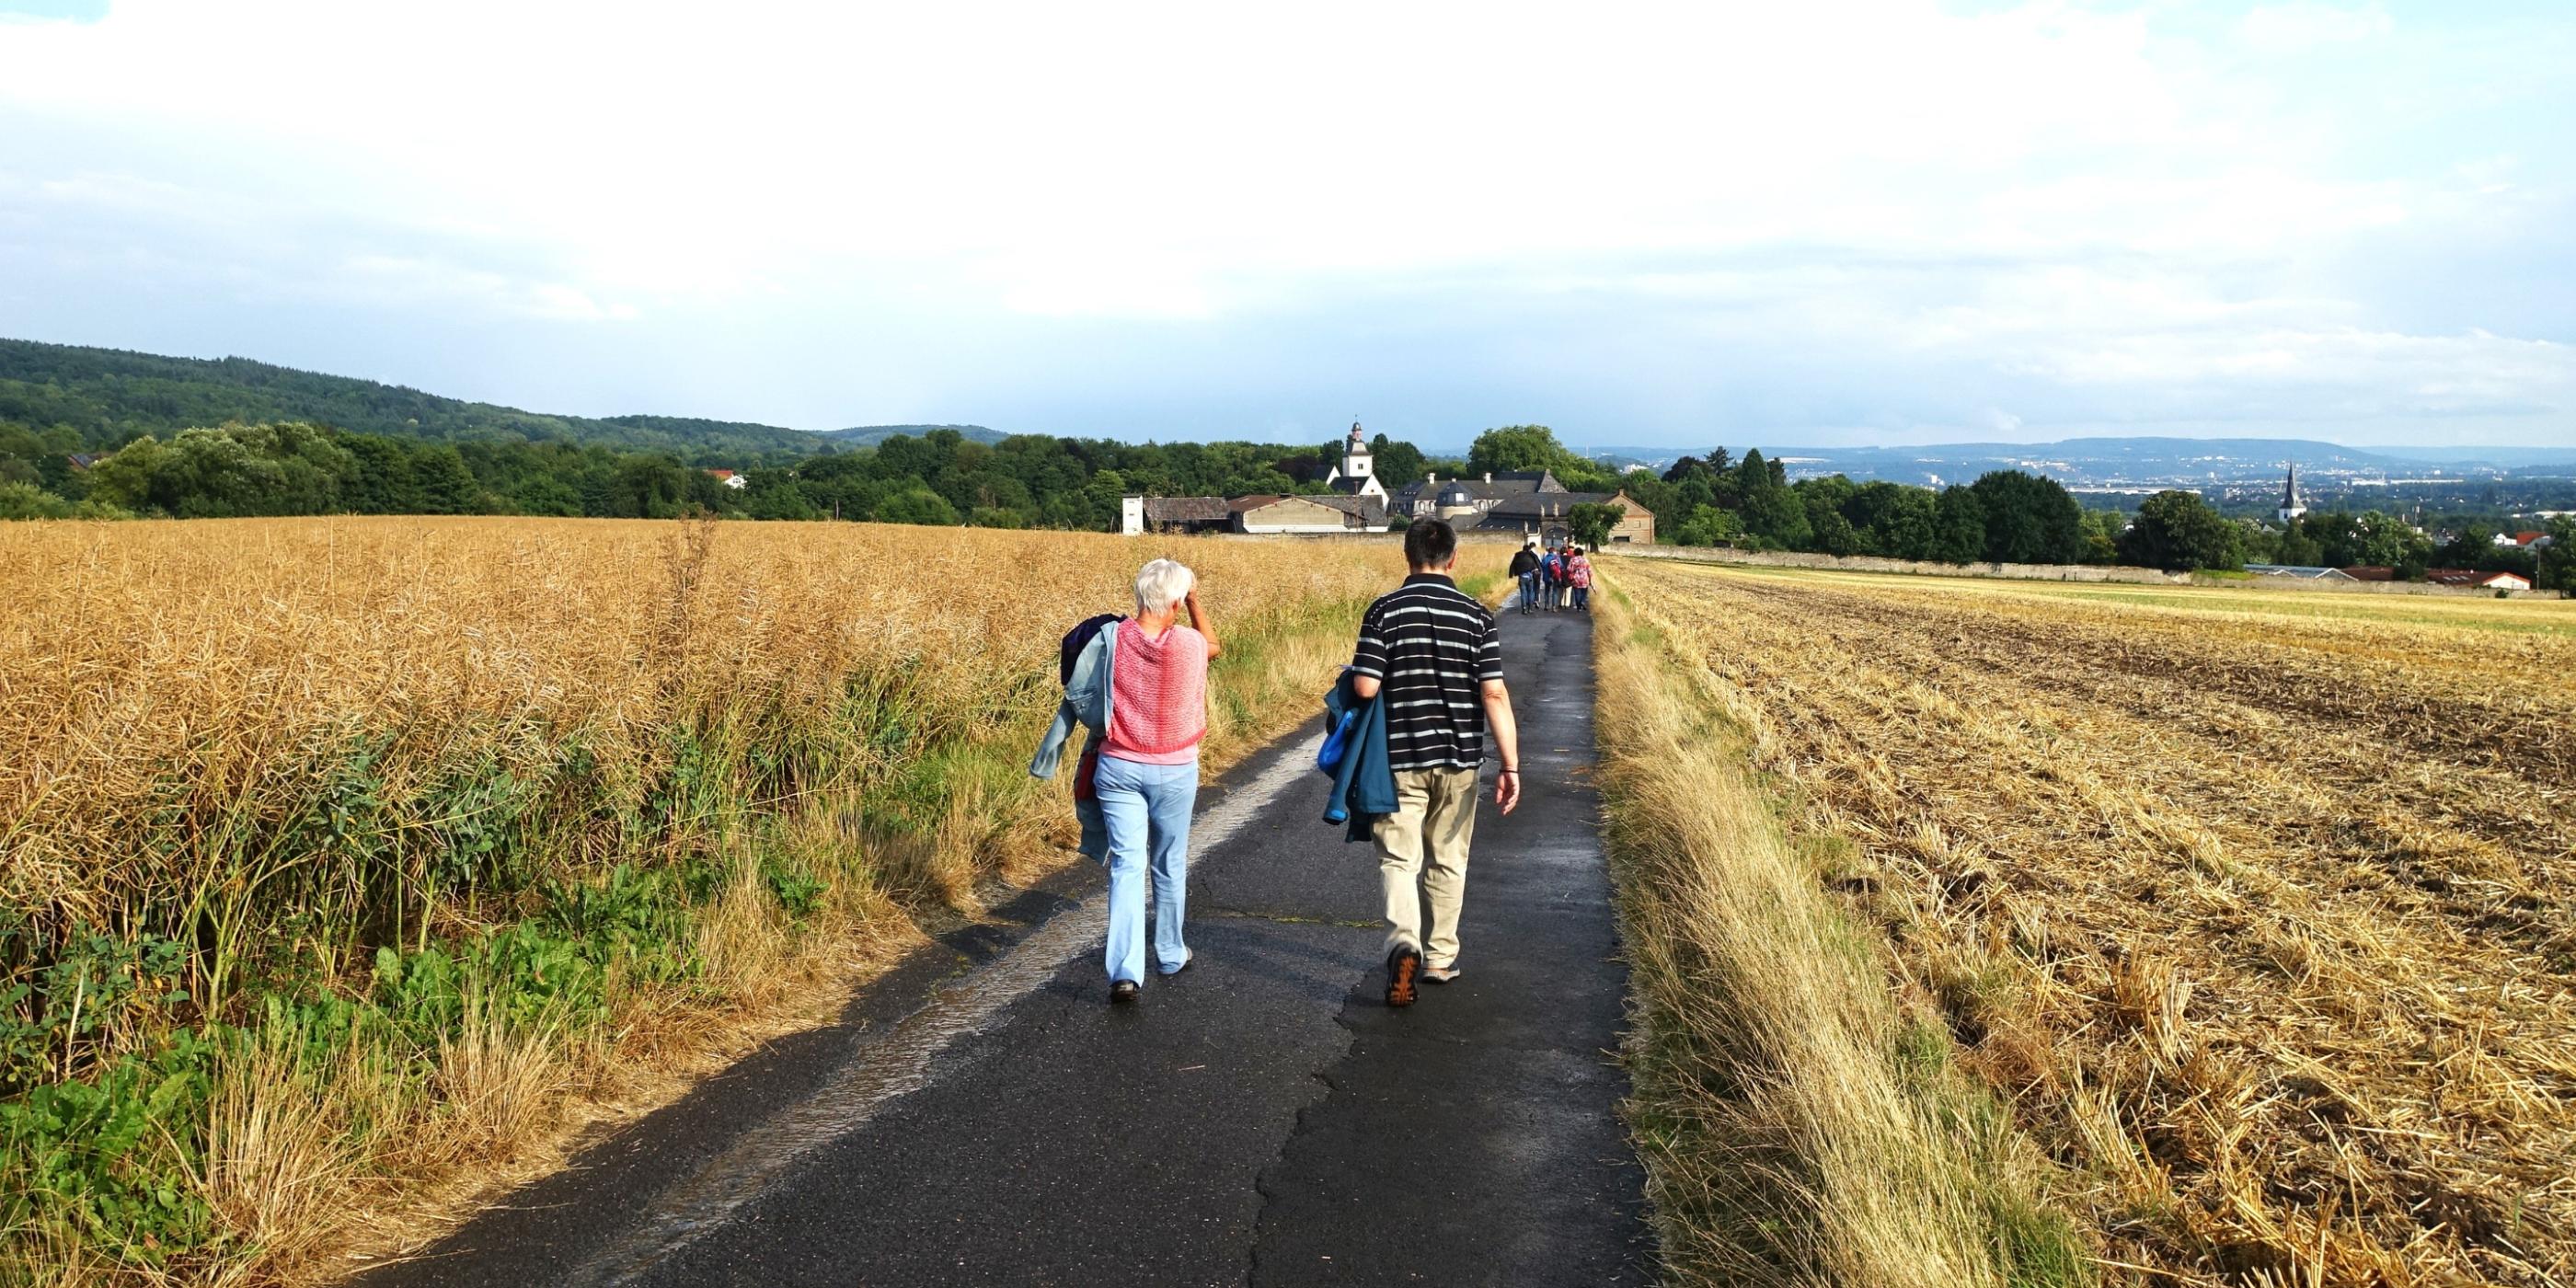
(871, 435)
(110, 395)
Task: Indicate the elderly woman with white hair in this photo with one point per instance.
(1148, 779)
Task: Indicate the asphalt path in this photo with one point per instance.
(982, 1116)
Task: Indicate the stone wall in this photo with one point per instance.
(2368, 587)
(1871, 563)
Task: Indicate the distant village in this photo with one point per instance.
(1531, 505)
(2292, 507)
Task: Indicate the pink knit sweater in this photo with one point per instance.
(1158, 696)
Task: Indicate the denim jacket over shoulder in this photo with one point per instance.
(1086, 701)
(1363, 780)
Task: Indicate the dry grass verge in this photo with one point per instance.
(1799, 1126)
(348, 868)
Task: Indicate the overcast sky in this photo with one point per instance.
(1811, 223)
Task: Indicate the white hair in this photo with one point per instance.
(1163, 583)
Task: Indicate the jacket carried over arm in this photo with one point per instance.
(1363, 780)
(1086, 703)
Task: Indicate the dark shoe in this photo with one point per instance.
(1124, 993)
(1401, 966)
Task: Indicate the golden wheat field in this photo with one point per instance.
(2258, 911)
(447, 824)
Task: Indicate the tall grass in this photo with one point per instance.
(1798, 1124)
(339, 859)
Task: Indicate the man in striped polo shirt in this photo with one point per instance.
(1433, 655)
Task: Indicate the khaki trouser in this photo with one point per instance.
(1426, 838)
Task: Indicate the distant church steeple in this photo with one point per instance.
(1356, 475)
(2291, 506)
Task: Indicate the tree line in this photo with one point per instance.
(1038, 481)
(2005, 516)
(940, 477)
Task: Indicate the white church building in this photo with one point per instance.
(1357, 503)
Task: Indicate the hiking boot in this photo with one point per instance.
(1440, 974)
(1124, 993)
(1401, 966)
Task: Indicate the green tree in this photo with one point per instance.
(2370, 539)
(21, 500)
(2177, 531)
(1898, 522)
(1774, 514)
(917, 505)
(2102, 530)
(1959, 522)
(1396, 463)
(2294, 546)
(1591, 522)
(443, 485)
(2029, 519)
(2558, 558)
(1709, 526)
(1520, 448)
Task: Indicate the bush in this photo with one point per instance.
(917, 505)
(27, 501)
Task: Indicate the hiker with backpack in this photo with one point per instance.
(1139, 684)
(1551, 574)
(1525, 571)
(1578, 574)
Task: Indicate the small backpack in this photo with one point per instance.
(1078, 639)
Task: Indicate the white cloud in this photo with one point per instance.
(2294, 28)
(2050, 192)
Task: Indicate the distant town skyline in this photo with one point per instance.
(1839, 224)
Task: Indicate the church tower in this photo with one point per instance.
(1357, 473)
(2291, 506)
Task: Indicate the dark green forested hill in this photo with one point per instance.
(871, 435)
(111, 396)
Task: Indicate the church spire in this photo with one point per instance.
(2291, 506)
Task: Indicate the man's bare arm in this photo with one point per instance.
(1507, 744)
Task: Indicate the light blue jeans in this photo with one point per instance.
(1147, 808)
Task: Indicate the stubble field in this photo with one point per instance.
(346, 866)
(2257, 914)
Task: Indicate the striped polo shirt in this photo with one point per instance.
(1432, 646)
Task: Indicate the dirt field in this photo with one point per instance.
(2259, 911)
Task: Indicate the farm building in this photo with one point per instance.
(2522, 540)
(1541, 517)
(2371, 572)
(1252, 514)
(1357, 503)
(2300, 572)
(1307, 514)
(1175, 514)
(2471, 579)
(729, 479)
(1442, 498)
